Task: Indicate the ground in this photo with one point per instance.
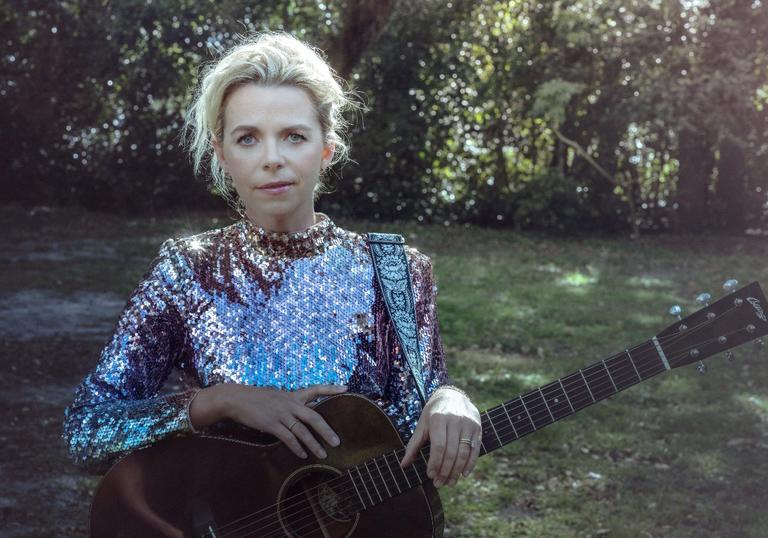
(681, 455)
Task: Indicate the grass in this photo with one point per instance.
(682, 455)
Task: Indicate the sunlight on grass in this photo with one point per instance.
(710, 464)
(531, 380)
(578, 279)
(756, 404)
(649, 282)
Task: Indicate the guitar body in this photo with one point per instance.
(201, 486)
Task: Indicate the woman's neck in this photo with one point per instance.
(284, 223)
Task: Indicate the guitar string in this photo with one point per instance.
(299, 495)
(538, 410)
(616, 375)
(634, 381)
(387, 482)
(314, 522)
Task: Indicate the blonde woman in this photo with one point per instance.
(278, 309)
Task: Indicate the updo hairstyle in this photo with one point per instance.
(268, 59)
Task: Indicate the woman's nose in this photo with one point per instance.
(273, 157)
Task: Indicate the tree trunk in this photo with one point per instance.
(364, 21)
(732, 186)
(695, 157)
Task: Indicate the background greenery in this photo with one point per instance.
(565, 115)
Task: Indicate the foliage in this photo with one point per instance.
(667, 97)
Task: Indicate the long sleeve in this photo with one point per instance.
(401, 388)
(117, 408)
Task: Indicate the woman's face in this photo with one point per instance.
(274, 150)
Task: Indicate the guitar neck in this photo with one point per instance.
(570, 394)
(381, 478)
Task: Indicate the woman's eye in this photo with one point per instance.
(298, 139)
(245, 139)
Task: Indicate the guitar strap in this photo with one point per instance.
(391, 268)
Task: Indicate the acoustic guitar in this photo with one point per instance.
(246, 484)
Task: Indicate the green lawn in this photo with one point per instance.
(680, 455)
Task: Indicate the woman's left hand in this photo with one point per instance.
(451, 423)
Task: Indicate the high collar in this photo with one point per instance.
(313, 240)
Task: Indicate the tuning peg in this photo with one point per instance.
(703, 298)
(730, 356)
(730, 285)
(759, 345)
(701, 368)
(676, 310)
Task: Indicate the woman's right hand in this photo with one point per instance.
(281, 413)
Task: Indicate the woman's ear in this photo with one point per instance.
(219, 153)
(328, 152)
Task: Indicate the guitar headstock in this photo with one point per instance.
(737, 318)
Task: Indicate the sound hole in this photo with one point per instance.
(311, 505)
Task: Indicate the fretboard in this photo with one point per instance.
(381, 478)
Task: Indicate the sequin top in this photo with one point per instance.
(245, 305)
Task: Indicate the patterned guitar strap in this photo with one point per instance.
(391, 268)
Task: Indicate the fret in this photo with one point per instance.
(567, 399)
(412, 475)
(397, 483)
(373, 481)
(553, 394)
(489, 433)
(362, 502)
(621, 372)
(528, 412)
(577, 391)
(520, 418)
(609, 376)
(631, 360)
(415, 468)
(546, 404)
(504, 407)
(587, 385)
(600, 384)
(362, 481)
(498, 418)
(384, 480)
(494, 431)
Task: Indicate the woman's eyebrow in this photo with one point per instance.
(296, 127)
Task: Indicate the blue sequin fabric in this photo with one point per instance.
(245, 305)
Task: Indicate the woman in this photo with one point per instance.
(276, 310)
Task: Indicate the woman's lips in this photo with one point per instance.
(277, 189)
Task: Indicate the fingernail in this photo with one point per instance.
(465, 473)
(438, 483)
(335, 441)
(323, 455)
(304, 455)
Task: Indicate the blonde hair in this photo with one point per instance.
(269, 59)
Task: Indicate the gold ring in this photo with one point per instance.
(292, 425)
(465, 441)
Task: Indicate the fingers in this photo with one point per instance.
(317, 422)
(438, 445)
(463, 451)
(415, 443)
(302, 433)
(310, 393)
(286, 436)
(474, 453)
